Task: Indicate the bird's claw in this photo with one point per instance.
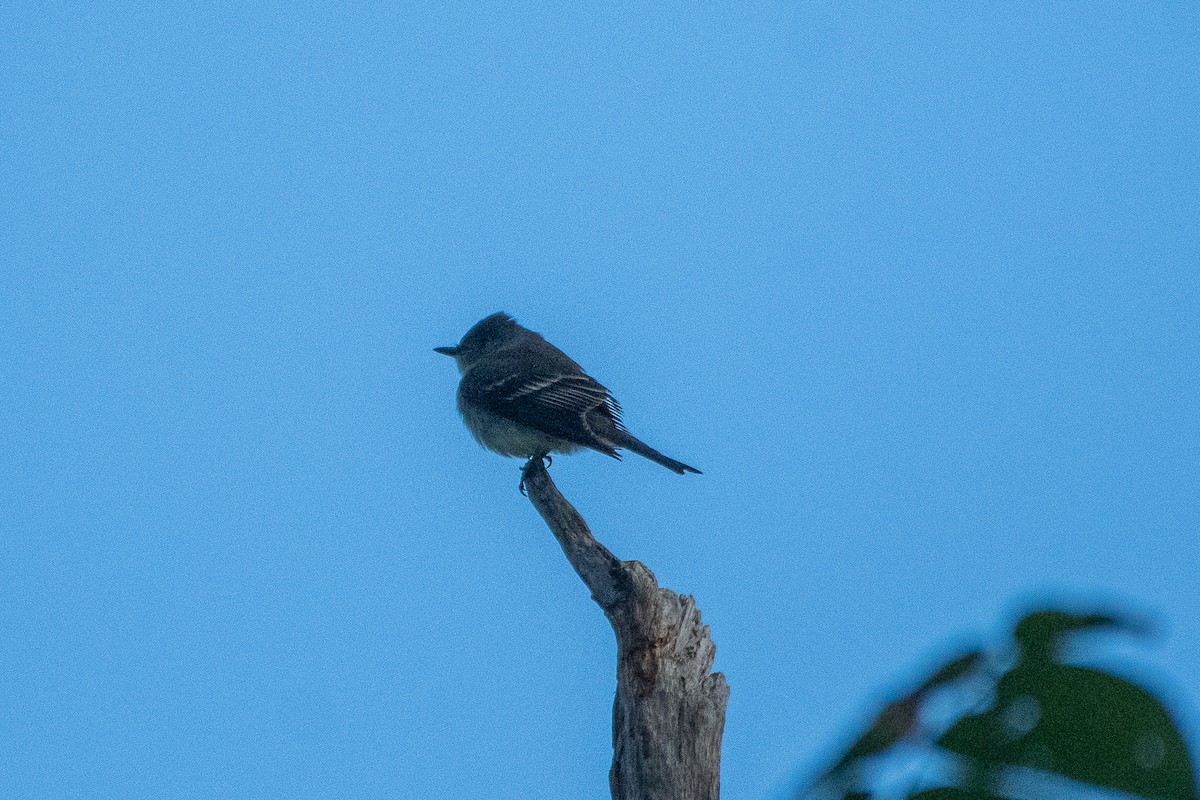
(545, 457)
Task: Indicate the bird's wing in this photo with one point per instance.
(569, 405)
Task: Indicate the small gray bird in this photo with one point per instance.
(522, 396)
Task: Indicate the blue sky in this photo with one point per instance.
(915, 285)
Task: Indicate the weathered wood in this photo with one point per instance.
(669, 712)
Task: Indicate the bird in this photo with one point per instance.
(522, 396)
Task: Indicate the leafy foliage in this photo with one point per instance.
(1040, 717)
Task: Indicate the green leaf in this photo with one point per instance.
(1082, 724)
(952, 793)
(891, 724)
(968, 663)
(1039, 634)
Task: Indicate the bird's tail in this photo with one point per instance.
(629, 442)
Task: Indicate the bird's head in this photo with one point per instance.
(487, 337)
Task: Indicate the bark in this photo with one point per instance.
(669, 712)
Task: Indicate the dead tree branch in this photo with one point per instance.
(669, 712)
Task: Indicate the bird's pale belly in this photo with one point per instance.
(510, 438)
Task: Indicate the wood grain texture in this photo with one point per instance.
(669, 712)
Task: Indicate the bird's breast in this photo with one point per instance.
(508, 437)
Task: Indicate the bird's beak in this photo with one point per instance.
(446, 351)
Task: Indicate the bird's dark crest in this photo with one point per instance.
(490, 327)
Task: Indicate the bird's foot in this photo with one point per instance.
(543, 459)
